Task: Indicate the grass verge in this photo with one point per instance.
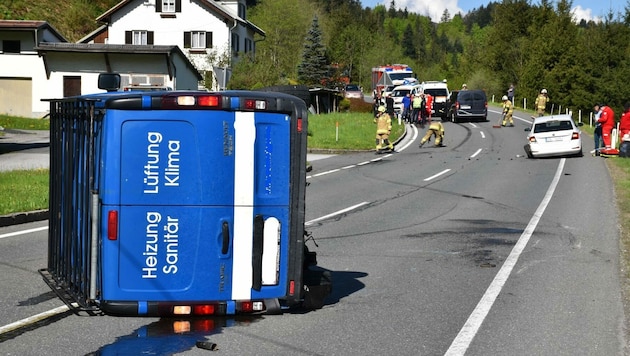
(346, 131)
(23, 190)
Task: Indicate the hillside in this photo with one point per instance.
(73, 18)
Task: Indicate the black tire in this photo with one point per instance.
(528, 151)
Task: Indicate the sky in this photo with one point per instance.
(582, 9)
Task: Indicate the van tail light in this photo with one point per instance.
(112, 225)
(532, 139)
(575, 136)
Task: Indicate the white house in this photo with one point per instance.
(37, 63)
(23, 81)
(211, 33)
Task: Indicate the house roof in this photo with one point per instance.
(104, 49)
(30, 25)
(221, 10)
(90, 36)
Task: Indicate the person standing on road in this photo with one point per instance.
(383, 128)
(607, 120)
(541, 102)
(508, 110)
(435, 129)
(428, 107)
(416, 106)
(389, 105)
(406, 101)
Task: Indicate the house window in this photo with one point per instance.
(168, 5)
(242, 11)
(197, 40)
(9, 46)
(236, 47)
(248, 45)
(139, 37)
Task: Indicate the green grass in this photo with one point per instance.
(346, 131)
(23, 190)
(22, 123)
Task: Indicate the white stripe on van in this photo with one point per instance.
(244, 139)
(271, 246)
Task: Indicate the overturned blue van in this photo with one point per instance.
(178, 202)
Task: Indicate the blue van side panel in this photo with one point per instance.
(167, 253)
(172, 176)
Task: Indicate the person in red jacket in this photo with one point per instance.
(624, 123)
(607, 120)
(428, 106)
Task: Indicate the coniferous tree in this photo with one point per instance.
(313, 67)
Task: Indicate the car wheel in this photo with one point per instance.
(528, 151)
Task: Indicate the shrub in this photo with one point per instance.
(359, 105)
(344, 105)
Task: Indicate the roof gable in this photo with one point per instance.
(30, 25)
(221, 11)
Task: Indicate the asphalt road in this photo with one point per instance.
(467, 249)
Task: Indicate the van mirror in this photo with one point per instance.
(109, 81)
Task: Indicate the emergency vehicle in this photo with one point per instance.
(391, 74)
(440, 93)
(179, 203)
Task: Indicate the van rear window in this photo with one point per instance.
(551, 126)
(436, 92)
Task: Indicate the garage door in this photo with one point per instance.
(15, 96)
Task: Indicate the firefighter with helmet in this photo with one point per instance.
(541, 102)
(508, 109)
(435, 129)
(383, 128)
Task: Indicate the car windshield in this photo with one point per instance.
(352, 88)
(401, 92)
(436, 92)
(551, 126)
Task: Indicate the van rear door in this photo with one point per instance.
(195, 192)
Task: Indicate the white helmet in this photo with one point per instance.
(544, 91)
(504, 98)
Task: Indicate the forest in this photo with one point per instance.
(530, 44)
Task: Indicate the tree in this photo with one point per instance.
(313, 68)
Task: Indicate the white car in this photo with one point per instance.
(399, 93)
(555, 135)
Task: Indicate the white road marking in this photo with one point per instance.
(23, 232)
(33, 319)
(311, 222)
(465, 336)
(476, 153)
(437, 175)
(414, 136)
